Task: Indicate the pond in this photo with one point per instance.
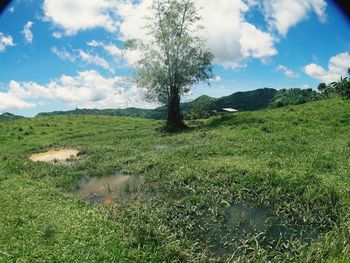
(244, 225)
(110, 189)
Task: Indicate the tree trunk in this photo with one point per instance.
(175, 119)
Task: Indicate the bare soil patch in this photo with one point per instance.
(60, 156)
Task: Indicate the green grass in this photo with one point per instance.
(294, 160)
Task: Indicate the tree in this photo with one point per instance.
(325, 90)
(175, 57)
(342, 86)
(322, 87)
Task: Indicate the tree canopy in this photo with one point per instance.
(175, 58)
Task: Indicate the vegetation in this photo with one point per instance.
(157, 114)
(325, 90)
(175, 59)
(292, 160)
(8, 116)
(248, 100)
(201, 107)
(286, 97)
(342, 87)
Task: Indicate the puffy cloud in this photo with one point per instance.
(27, 33)
(84, 56)
(337, 66)
(111, 49)
(74, 16)
(232, 39)
(133, 17)
(88, 89)
(5, 41)
(11, 9)
(94, 59)
(63, 54)
(284, 14)
(239, 40)
(9, 102)
(57, 34)
(256, 43)
(287, 72)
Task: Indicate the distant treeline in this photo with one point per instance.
(205, 106)
(9, 116)
(202, 107)
(156, 114)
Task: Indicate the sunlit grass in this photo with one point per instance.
(293, 160)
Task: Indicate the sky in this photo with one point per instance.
(63, 54)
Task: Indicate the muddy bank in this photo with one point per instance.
(110, 189)
(61, 156)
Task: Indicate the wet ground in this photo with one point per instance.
(110, 189)
(240, 227)
(253, 225)
(61, 156)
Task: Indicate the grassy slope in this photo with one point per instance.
(294, 160)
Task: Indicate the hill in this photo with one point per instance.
(201, 107)
(261, 186)
(156, 114)
(9, 116)
(248, 100)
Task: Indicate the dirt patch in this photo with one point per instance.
(110, 189)
(61, 156)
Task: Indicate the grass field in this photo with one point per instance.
(288, 165)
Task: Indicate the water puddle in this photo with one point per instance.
(244, 225)
(111, 189)
(160, 147)
(61, 156)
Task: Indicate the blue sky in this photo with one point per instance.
(63, 54)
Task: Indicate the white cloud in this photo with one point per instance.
(230, 37)
(74, 16)
(5, 41)
(337, 66)
(11, 9)
(83, 56)
(63, 54)
(93, 43)
(27, 33)
(94, 59)
(57, 34)
(284, 14)
(88, 89)
(287, 72)
(111, 49)
(306, 86)
(9, 102)
(256, 43)
(239, 40)
(216, 79)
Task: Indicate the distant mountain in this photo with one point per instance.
(9, 116)
(201, 107)
(247, 100)
(241, 101)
